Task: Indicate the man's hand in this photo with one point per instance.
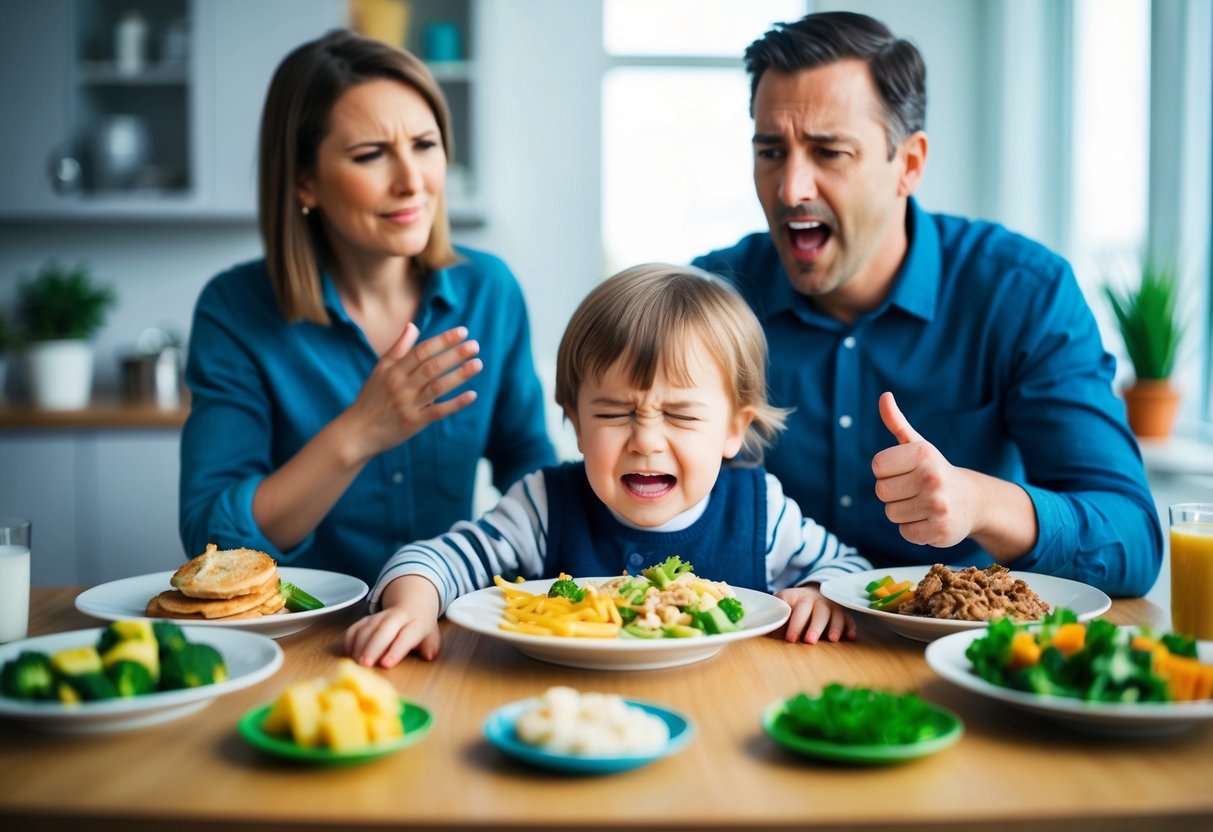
(935, 503)
(930, 500)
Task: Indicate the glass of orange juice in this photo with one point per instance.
(1192, 569)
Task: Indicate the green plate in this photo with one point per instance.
(415, 720)
(949, 725)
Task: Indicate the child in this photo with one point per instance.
(662, 373)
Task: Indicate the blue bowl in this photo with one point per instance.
(499, 729)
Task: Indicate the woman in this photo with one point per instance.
(340, 404)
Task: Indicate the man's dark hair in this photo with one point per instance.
(828, 37)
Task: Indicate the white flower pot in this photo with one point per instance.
(60, 374)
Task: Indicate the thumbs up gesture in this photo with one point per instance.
(929, 499)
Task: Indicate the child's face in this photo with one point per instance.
(652, 454)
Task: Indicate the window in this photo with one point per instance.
(676, 163)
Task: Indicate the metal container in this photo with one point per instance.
(153, 378)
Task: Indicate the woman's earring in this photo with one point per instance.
(305, 210)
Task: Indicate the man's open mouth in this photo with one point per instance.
(808, 237)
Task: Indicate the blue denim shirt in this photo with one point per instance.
(995, 358)
(262, 388)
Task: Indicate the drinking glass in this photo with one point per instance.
(14, 578)
(1192, 569)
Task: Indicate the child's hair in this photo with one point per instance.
(646, 316)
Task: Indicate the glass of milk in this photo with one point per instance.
(14, 578)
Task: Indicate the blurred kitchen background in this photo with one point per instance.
(590, 135)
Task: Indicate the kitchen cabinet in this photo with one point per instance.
(103, 503)
(443, 34)
(162, 129)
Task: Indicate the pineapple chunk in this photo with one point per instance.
(346, 712)
(376, 695)
(76, 661)
(342, 724)
(382, 727)
(137, 629)
(146, 653)
(296, 713)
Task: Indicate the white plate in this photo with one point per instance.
(127, 598)
(848, 591)
(250, 658)
(947, 658)
(481, 611)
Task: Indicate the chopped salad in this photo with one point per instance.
(669, 600)
(1096, 662)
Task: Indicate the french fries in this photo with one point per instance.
(594, 616)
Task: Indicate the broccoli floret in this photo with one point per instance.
(192, 666)
(732, 608)
(85, 687)
(130, 678)
(565, 588)
(169, 637)
(664, 573)
(29, 676)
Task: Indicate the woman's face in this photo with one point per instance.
(380, 172)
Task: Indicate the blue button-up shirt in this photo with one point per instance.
(995, 358)
(262, 388)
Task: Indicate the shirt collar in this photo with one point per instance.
(439, 288)
(915, 287)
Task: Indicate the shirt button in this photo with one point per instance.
(845, 421)
(849, 342)
(635, 559)
(398, 477)
(845, 501)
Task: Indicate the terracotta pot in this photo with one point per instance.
(1152, 405)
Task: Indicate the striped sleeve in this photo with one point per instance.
(510, 540)
(799, 551)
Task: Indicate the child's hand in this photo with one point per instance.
(407, 622)
(812, 615)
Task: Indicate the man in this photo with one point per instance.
(949, 383)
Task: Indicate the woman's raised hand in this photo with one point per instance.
(401, 395)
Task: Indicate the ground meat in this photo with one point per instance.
(974, 594)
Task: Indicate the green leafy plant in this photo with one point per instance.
(1148, 319)
(62, 303)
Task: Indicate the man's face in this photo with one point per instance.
(834, 201)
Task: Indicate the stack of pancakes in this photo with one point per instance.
(221, 584)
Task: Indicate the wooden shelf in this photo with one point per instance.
(101, 414)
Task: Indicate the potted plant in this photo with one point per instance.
(1151, 329)
(59, 311)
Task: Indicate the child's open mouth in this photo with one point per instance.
(649, 486)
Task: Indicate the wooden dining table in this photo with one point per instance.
(1010, 771)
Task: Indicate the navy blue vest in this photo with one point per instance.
(728, 543)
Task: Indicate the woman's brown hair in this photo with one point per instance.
(300, 101)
